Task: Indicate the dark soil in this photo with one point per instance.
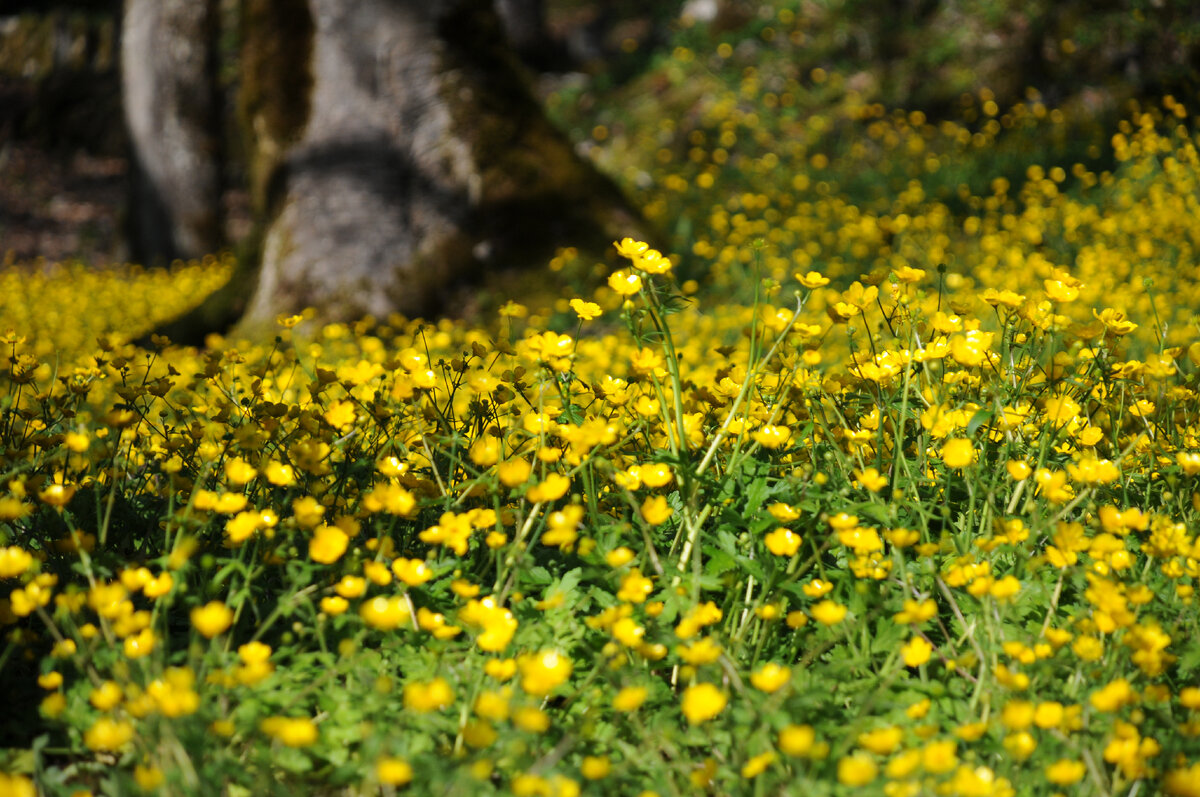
(60, 206)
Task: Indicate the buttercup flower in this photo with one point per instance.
(702, 702)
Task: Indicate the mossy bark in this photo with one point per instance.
(423, 161)
(276, 81)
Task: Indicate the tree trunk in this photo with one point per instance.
(524, 23)
(168, 63)
(421, 159)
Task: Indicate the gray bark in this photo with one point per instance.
(171, 109)
(378, 181)
(423, 159)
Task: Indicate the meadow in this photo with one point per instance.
(881, 476)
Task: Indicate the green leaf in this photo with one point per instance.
(718, 563)
(978, 419)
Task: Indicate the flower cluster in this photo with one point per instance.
(921, 532)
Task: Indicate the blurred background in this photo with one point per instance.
(598, 66)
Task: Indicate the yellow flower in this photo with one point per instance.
(655, 474)
(383, 613)
(307, 511)
(428, 696)
(513, 472)
(351, 586)
(702, 702)
(652, 262)
(497, 623)
(908, 274)
(485, 451)
(626, 283)
(655, 510)
(531, 718)
(705, 650)
(958, 453)
(1182, 782)
(413, 572)
(555, 486)
(1112, 696)
(940, 757)
(254, 652)
(819, 587)
(159, 585)
(1114, 321)
(828, 612)
(340, 415)
(648, 361)
(916, 612)
(772, 436)
(108, 735)
(327, 544)
(14, 561)
(970, 348)
(106, 696)
(758, 764)
(57, 494)
(585, 310)
(783, 541)
(871, 479)
(595, 767)
(1142, 408)
(212, 619)
(239, 472)
(18, 786)
(619, 557)
(797, 740)
(785, 512)
(1005, 588)
(1018, 470)
(1017, 715)
(882, 741)
(812, 279)
(1049, 714)
(916, 651)
(501, 669)
(50, 680)
(393, 771)
(629, 248)
(53, 705)
(856, 770)
(1066, 772)
(1006, 298)
(148, 778)
(1059, 291)
(635, 587)
(628, 632)
(971, 731)
(140, 644)
(280, 475)
(919, 709)
(542, 672)
(630, 698)
(903, 765)
(770, 677)
(291, 731)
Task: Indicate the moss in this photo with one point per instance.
(537, 193)
(277, 81)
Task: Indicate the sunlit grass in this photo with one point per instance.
(893, 490)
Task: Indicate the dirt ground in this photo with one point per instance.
(60, 206)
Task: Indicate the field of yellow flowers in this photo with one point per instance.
(893, 495)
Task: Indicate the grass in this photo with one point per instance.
(882, 479)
